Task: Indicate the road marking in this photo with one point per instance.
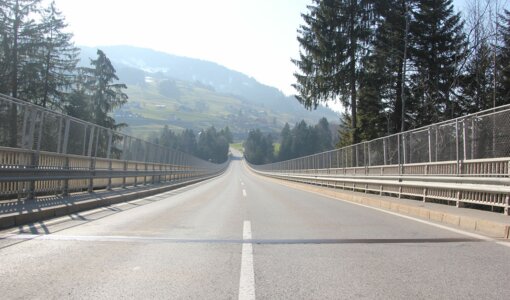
(459, 231)
(247, 278)
(244, 192)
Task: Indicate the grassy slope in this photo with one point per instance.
(196, 107)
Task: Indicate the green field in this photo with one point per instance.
(195, 107)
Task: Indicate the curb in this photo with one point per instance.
(482, 226)
(17, 219)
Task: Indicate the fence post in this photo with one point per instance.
(430, 144)
(457, 145)
(66, 136)
(92, 160)
(36, 153)
(399, 156)
(464, 144)
(384, 152)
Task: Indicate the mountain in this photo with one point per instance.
(183, 92)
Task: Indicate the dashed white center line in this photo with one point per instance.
(247, 279)
(244, 192)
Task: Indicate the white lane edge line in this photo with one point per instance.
(458, 231)
(247, 276)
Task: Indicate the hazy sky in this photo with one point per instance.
(256, 37)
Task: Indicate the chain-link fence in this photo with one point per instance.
(27, 126)
(481, 135)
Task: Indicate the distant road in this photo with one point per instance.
(242, 236)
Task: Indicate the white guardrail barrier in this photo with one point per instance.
(465, 161)
(47, 153)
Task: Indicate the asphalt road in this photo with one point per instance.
(242, 236)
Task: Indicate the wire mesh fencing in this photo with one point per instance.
(30, 127)
(483, 135)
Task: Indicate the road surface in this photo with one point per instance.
(240, 236)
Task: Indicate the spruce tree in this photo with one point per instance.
(334, 42)
(503, 61)
(18, 36)
(285, 144)
(58, 58)
(105, 92)
(437, 52)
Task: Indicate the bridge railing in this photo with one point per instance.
(45, 153)
(465, 161)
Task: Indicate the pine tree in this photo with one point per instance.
(17, 41)
(334, 42)
(188, 142)
(58, 57)
(476, 84)
(323, 135)
(503, 87)
(106, 94)
(285, 144)
(18, 34)
(387, 76)
(437, 52)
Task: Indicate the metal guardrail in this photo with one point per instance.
(47, 153)
(465, 161)
(485, 191)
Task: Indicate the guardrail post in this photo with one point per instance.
(36, 153)
(125, 167)
(145, 174)
(506, 209)
(458, 203)
(65, 187)
(91, 180)
(110, 169)
(136, 174)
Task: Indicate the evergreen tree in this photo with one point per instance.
(476, 84)
(285, 144)
(386, 76)
(212, 146)
(58, 57)
(304, 140)
(258, 148)
(503, 87)
(188, 142)
(227, 134)
(334, 41)
(18, 36)
(437, 52)
(105, 93)
(323, 135)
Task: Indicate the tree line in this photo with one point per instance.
(209, 144)
(402, 64)
(39, 64)
(301, 140)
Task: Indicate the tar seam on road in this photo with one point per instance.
(247, 278)
(246, 240)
